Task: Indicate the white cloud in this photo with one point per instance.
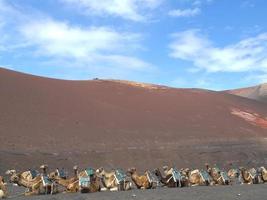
(49, 40)
(61, 39)
(91, 45)
(185, 12)
(128, 9)
(246, 55)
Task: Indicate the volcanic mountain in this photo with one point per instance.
(115, 123)
(258, 92)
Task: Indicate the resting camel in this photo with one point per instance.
(219, 177)
(263, 174)
(89, 181)
(199, 177)
(3, 189)
(141, 182)
(70, 184)
(250, 176)
(27, 175)
(114, 180)
(35, 185)
(181, 177)
(166, 180)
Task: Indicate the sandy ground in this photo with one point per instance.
(235, 192)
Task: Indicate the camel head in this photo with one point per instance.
(10, 172)
(157, 172)
(100, 171)
(14, 177)
(185, 171)
(131, 170)
(44, 168)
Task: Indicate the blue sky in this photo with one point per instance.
(213, 44)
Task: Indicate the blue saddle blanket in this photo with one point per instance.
(61, 173)
(176, 175)
(46, 180)
(120, 175)
(34, 173)
(205, 176)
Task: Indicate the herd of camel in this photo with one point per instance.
(96, 180)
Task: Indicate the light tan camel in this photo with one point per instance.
(3, 189)
(263, 174)
(36, 185)
(199, 177)
(27, 175)
(89, 181)
(180, 177)
(142, 181)
(70, 184)
(114, 180)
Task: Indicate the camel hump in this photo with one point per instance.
(195, 171)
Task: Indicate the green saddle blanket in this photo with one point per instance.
(89, 171)
(84, 182)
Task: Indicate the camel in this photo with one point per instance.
(141, 182)
(219, 177)
(89, 181)
(250, 176)
(263, 174)
(199, 177)
(178, 178)
(35, 185)
(3, 189)
(70, 184)
(114, 180)
(27, 175)
(165, 180)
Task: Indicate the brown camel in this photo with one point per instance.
(114, 180)
(70, 184)
(250, 176)
(89, 181)
(219, 177)
(142, 181)
(3, 189)
(39, 184)
(166, 180)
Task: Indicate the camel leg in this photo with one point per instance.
(114, 189)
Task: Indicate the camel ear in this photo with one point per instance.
(10, 172)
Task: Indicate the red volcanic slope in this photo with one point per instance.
(258, 92)
(111, 123)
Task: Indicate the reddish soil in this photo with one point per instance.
(120, 123)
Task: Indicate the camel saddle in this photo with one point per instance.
(120, 176)
(33, 173)
(84, 182)
(89, 171)
(61, 173)
(151, 177)
(204, 175)
(46, 181)
(224, 176)
(177, 177)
